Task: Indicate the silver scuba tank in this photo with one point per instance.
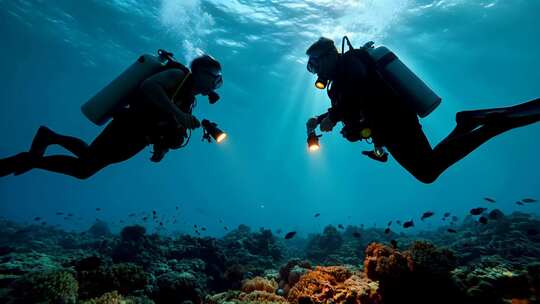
(413, 90)
(100, 108)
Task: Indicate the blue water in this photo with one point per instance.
(54, 55)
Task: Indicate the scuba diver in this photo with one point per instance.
(150, 103)
(378, 99)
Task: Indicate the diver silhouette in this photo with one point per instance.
(377, 98)
(159, 97)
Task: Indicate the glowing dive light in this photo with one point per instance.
(212, 131)
(313, 142)
(321, 83)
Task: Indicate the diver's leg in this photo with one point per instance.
(453, 148)
(411, 149)
(46, 137)
(81, 168)
(10, 164)
(116, 143)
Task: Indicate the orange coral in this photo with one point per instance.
(334, 284)
(383, 262)
(260, 284)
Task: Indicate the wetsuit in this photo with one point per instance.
(360, 100)
(130, 131)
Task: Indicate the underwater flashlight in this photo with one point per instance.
(313, 142)
(212, 131)
(321, 83)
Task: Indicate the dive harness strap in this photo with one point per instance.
(378, 153)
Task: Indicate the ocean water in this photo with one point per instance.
(54, 55)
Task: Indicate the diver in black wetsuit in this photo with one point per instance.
(362, 102)
(153, 117)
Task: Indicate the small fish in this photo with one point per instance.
(161, 223)
(195, 226)
(98, 209)
(389, 224)
(529, 200)
(43, 223)
(176, 207)
(37, 218)
(203, 228)
(532, 232)
(489, 199)
(154, 212)
(340, 226)
(290, 235)
(145, 218)
(483, 220)
(477, 211)
(70, 214)
(317, 215)
(408, 224)
(394, 244)
(226, 229)
(131, 214)
(455, 218)
(356, 234)
(427, 214)
(398, 222)
(197, 232)
(519, 203)
(451, 230)
(59, 213)
(387, 231)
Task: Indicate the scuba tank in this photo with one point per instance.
(102, 106)
(412, 90)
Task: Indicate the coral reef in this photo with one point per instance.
(334, 284)
(46, 287)
(492, 262)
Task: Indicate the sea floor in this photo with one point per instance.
(470, 261)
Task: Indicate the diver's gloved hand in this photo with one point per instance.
(187, 120)
(195, 123)
(312, 123)
(158, 154)
(327, 124)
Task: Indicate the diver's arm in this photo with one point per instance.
(155, 89)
